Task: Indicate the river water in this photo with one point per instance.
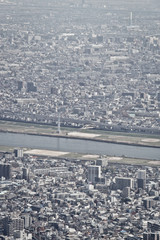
(78, 146)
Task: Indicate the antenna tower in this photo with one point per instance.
(131, 18)
(59, 123)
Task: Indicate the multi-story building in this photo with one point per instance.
(25, 174)
(151, 236)
(153, 226)
(12, 224)
(148, 202)
(94, 173)
(123, 182)
(126, 192)
(141, 179)
(5, 171)
(18, 152)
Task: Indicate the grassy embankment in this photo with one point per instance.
(118, 137)
(108, 136)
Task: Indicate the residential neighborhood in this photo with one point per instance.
(92, 65)
(51, 198)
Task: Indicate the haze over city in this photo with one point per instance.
(79, 119)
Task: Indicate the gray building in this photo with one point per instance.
(123, 182)
(94, 173)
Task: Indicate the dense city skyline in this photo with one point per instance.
(91, 65)
(85, 72)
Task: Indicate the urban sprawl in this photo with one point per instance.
(87, 62)
(53, 199)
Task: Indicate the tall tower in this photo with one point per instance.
(59, 124)
(131, 18)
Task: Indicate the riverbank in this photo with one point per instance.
(83, 134)
(91, 157)
(83, 157)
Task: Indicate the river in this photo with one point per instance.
(78, 146)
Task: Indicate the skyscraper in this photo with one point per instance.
(141, 179)
(94, 172)
(5, 171)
